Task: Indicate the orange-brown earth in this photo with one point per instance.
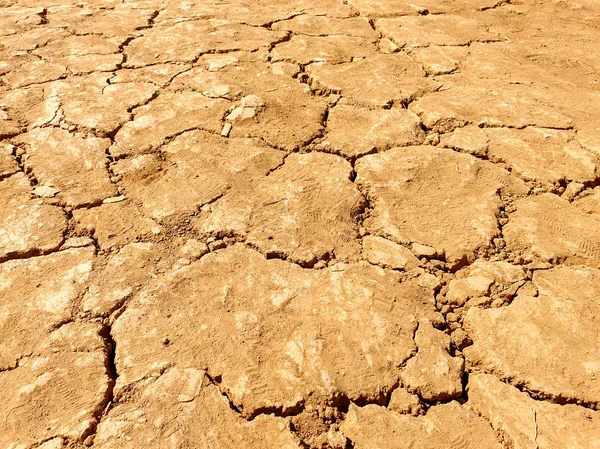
(322, 224)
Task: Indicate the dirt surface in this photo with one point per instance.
(320, 224)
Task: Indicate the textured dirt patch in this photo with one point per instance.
(320, 224)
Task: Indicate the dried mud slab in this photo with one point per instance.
(482, 279)
(115, 282)
(268, 106)
(306, 211)
(27, 227)
(29, 40)
(37, 295)
(489, 103)
(470, 139)
(272, 332)
(196, 168)
(354, 131)
(186, 41)
(83, 54)
(549, 228)
(121, 20)
(561, 65)
(158, 74)
(16, 19)
(59, 393)
(432, 373)
(324, 25)
(443, 29)
(543, 155)
(548, 344)
(257, 13)
(8, 162)
(167, 116)
(23, 109)
(440, 59)
(393, 8)
(330, 49)
(182, 408)
(25, 70)
(31, 229)
(75, 166)
(114, 224)
(446, 425)
(378, 80)
(527, 423)
(95, 103)
(455, 213)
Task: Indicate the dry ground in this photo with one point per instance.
(335, 224)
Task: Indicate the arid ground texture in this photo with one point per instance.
(310, 224)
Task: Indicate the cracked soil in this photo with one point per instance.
(318, 224)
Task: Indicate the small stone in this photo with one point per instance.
(336, 439)
(252, 101)
(77, 242)
(181, 262)
(404, 402)
(226, 129)
(423, 250)
(380, 251)
(572, 190)
(499, 243)
(432, 139)
(114, 199)
(387, 46)
(235, 113)
(460, 290)
(428, 280)
(538, 265)
(497, 303)
(320, 265)
(45, 191)
(460, 339)
(452, 317)
(480, 301)
(193, 249)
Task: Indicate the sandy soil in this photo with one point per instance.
(317, 224)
